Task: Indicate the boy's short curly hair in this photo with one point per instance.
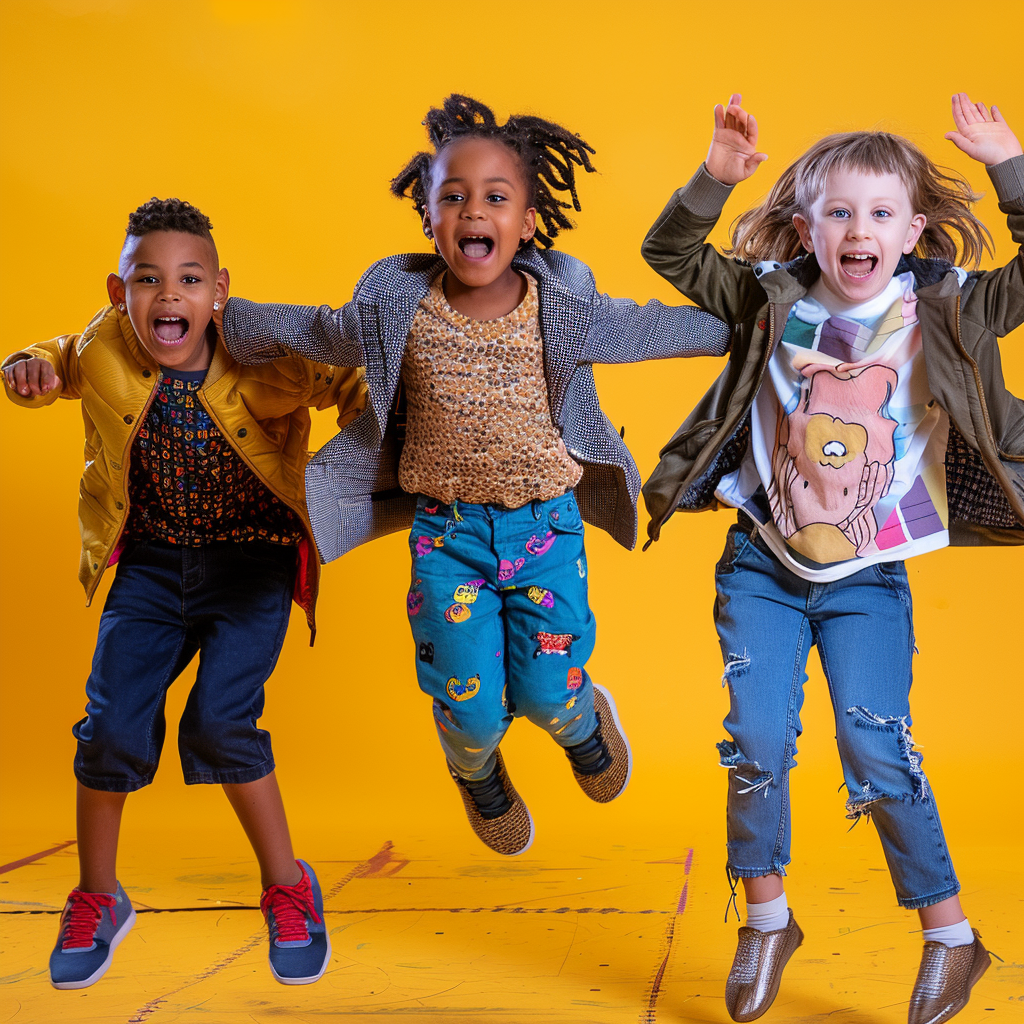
(547, 152)
(169, 215)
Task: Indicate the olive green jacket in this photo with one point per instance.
(961, 316)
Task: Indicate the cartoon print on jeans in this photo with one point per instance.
(538, 595)
(507, 569)
(424, 545)
(457, 613)
(427, 652)
(536, 546)
(459, 691)
(414, 600)
(829, 471)
(581, 568)
(571, 703)
(466, 593)
(554, 643)
(504, 696)
(558, 732)
(430, 509)
(574, 681)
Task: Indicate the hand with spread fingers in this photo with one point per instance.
(981, 132)
(31, 377)
(733, 155)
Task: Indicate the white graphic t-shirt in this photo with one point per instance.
(846, 461)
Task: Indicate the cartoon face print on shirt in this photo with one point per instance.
(834, 459)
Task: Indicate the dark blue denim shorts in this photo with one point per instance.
(229, 603)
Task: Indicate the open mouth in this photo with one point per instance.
(858, 264)
(476, 247)
(170, 330)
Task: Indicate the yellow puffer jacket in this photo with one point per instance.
(262, 411)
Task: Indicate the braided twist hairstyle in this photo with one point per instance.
(548, 153)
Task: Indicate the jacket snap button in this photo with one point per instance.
(147, 373)
(317, 375)
(95, 565)
(762, 324)
(119, 505)
(242, 432)
(129, 418)
(330, 380)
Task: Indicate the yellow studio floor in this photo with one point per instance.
(431, 928)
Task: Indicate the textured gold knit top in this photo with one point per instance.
(479, 423)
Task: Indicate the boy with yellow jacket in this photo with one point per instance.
(194, 487)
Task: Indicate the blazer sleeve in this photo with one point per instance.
(623, 331)
(996, 298)
(61, 353)
(256, 332)
(676, 248)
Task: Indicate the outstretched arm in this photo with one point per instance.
(256, 332)
(997, 298)
(39, 374)
(675, 246)
(622, 331)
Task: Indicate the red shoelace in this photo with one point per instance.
(84, 916)
(290, 904)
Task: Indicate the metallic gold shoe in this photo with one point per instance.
(602, 764)
(496, 811)
(945, 979)
(757, 969)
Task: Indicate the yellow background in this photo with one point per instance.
(284, 122)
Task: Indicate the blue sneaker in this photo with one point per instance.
(91, 928)
(300, 947)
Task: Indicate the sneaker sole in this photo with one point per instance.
(622, 732)
(311, 978)
(102, 969)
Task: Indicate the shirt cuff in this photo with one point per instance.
(704, 195)
(1008, 178)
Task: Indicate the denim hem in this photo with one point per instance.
(917, 902)
(232, 776)
(776, 869)
(110, 784)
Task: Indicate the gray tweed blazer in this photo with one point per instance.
(352, 482)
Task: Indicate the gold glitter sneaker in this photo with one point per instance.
(602, 764)
(496, 811)
(757, 969)
(945, 979)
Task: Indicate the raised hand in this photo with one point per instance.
(733, 155)
(982, 133)
(31, 377)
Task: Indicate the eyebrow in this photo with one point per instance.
(153, 266)
(487, 181)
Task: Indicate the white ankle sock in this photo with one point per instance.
(770, 916)
(951, 935)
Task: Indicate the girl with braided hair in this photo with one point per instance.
(483, 432)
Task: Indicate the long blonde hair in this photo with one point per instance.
(944, 197)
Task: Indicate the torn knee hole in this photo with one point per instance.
(900, 728)
(735, 665)
(749, 776)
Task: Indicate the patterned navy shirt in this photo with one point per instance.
(188, 486)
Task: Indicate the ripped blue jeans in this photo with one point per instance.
(767, 620)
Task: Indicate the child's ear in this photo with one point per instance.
(803, 229)
(223, 286)
(529, 225)
(427, 229)
(917, 225)
(115, 290)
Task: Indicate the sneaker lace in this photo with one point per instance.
(590, 757)
(489, 796)
(84, 917)
(291, 905)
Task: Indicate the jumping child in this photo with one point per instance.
(193, 487)
(479, 360)
(861, 420)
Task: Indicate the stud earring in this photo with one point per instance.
(216, 306)
(120, 306)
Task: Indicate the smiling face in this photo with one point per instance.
(478, 210)
(169, 281)
(857, 229)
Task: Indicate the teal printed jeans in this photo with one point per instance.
(499, 613)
